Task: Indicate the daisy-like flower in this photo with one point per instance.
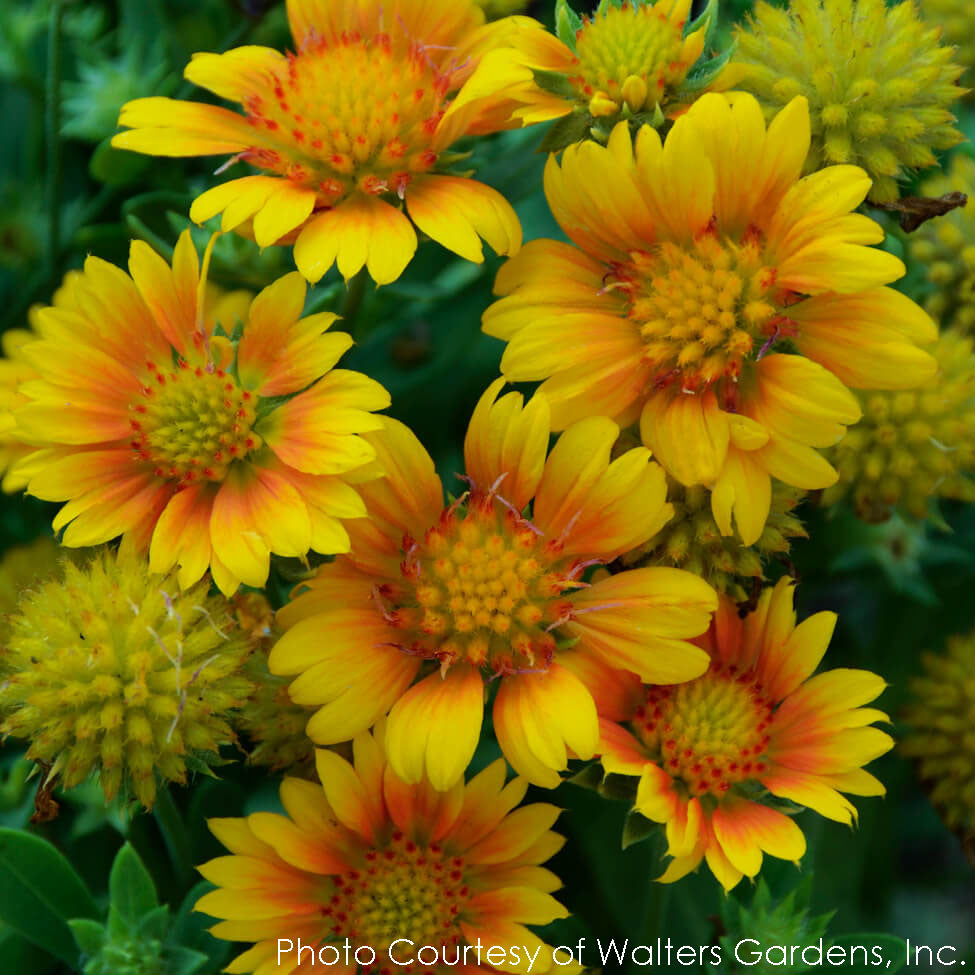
(369, 858)
(210, 449)
(714, 296)
(714, 753)
(346, 133)
(434, 600)
(640, 60)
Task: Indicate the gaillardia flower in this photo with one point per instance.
(20, 568)
(944, 249)
(638, 60)
(347, 132)
(941, 735)
(714, 753)
(369, 858)
(914, 446)
(879, 83)
(956, 18)
(111, 669)
(714, 296)
(210, 448)
(434, 601)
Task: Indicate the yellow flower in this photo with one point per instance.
(913, 446)
(437, 600)
(21, 567)
(879, 84)
(366, 857)
(638, 60)
(942, 735)
(714, 296)
(111, 669)
(347, 132)
(714, 754)
(211, 447)
(944, 249)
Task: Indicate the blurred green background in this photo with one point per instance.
(898, 588)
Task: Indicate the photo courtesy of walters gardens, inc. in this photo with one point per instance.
(487, 487)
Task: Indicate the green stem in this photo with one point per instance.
(55, 158)
(353, 303)
(655, 920)
(174, 833)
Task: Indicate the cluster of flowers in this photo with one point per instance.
(702, 341)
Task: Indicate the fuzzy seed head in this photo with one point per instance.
(112, 670)
(945, 249)
(912, 445)
(942, 734)
(956, 18)
(879, 82)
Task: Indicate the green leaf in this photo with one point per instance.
(567, 22)
(155, 924)
(40, 892)
(708, 18)
(116, 167)
(616, 786)
(185, 961)
(89, 935)
(565, 131)
(637, 828)
(555, 83)
(130, 887)
(704, 72)
(19, 955)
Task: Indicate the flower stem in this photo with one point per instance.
(655, 919)
(55, 159)
(353, 302)
(174, 833)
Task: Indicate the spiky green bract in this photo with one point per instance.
(115, 671)
(691, 540)
(879, 82)
(944, 248)
(942, 732)
(912, 446)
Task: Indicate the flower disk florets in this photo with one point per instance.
(913, 446)
(112, 669)
(708, 734)
(482, 588)
(879, 83)
(942, 737)
(945, 249)
(358, 113)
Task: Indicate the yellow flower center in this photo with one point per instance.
(483, 587)
(357, 114)
(191, 423)
(403, 890)
(710, 733)
(703, 309)
(628, 54)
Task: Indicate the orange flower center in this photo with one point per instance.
(191, 424)
(483, 587)
(703, 310)
(710, 733)
(356, 114)
(628, 54)
(402, 890)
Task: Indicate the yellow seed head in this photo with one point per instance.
(956, 19)
(113, 670)
(912, 446)
(944, 248)
(879, 82)
(942, 734)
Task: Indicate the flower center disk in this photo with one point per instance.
(702, 310)
(482, 587)
(357, 114)
(710, 733)
(401, 891)
(624, 43)
(191, 424)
